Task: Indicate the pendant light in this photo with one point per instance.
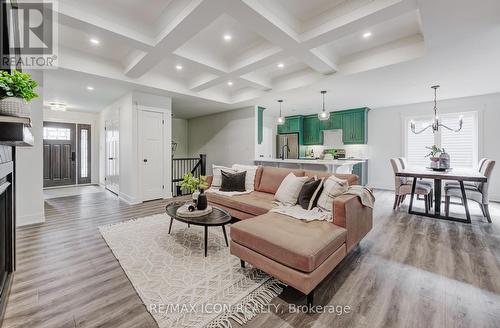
(280, 120)
(435, 121)
(323, 115)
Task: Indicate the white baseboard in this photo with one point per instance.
(25, 220)
(128, 199)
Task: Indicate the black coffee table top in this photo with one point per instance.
(218, 216)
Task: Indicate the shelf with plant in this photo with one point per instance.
(17, 89)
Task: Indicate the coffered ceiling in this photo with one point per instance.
(232, 52)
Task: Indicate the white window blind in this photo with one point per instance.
(462, 146)
(416, 143)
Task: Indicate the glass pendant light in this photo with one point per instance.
(323, 115)
(280, 120)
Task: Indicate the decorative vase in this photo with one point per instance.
(195, 196)
(202, 201)
(14, 106)
(444, 161)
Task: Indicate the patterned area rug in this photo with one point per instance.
(178, 285)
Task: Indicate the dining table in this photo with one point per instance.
(459, 175)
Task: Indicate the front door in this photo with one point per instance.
(152, 150)
(59, 154)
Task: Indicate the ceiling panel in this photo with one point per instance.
(209, 46)
(108, 47)
(399, 28)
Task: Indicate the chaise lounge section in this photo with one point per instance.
(299, 253)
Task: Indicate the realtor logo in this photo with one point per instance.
(32, 35)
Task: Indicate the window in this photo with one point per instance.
(56, 133)
(461, 146)
(84, 153)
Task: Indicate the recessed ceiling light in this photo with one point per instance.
(366, 35)
(61, 107)
(179, 67)
(230, 83)
(280, 65)
(90, 88)
(227, 37)
(95, 41)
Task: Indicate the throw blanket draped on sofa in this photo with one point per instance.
(364, 194)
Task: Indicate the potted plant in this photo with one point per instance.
(16, 90)
(434, 151)
(197, 187)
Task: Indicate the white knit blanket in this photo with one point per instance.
(298, 212)
(227, 193)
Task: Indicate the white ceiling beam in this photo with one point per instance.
(257, 18)
(197, 15)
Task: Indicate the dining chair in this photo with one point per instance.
(477, 192)
(403, 186)
(456, 184)
(428, 183)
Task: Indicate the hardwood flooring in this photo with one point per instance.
(408, 272)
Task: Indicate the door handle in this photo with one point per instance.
(145, 160)
(111, 158)
(73, 156)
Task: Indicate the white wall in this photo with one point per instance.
(180, 135)
(226, 138)
(386, 135)
(29, 166)
(126, 108)
(81, 118)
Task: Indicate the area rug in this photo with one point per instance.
(177, 284)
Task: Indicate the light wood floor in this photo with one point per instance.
(408, 272)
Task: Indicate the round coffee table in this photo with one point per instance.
(217, 218)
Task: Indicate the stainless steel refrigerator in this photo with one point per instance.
(288, 145)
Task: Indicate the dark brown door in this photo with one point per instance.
(59, 154)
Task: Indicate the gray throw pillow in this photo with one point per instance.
(233, 181)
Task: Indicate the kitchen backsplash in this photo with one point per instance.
(356, 151)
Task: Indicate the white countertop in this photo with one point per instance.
(335, 162)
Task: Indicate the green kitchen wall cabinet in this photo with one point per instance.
(354, 126)
(333, 123)
(293, 124)
(312, 132)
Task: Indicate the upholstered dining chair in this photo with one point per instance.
(403, 186)
(477, 192)
(427, 183)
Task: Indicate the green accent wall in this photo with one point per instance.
(260, 124)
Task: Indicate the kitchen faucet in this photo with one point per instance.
(283, 151)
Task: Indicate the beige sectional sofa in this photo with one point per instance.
(299, 253)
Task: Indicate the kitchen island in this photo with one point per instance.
(332, 165)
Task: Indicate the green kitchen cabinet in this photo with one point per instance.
(293, 124)
(354, 126)
(333, 123)
(312, 132)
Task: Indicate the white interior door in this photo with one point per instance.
(151, 130)
(112, 174)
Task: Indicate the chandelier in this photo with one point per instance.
(436, 124)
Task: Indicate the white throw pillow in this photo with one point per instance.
(332, 187)
(217, 175)
(250, 177)
(289, 189)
